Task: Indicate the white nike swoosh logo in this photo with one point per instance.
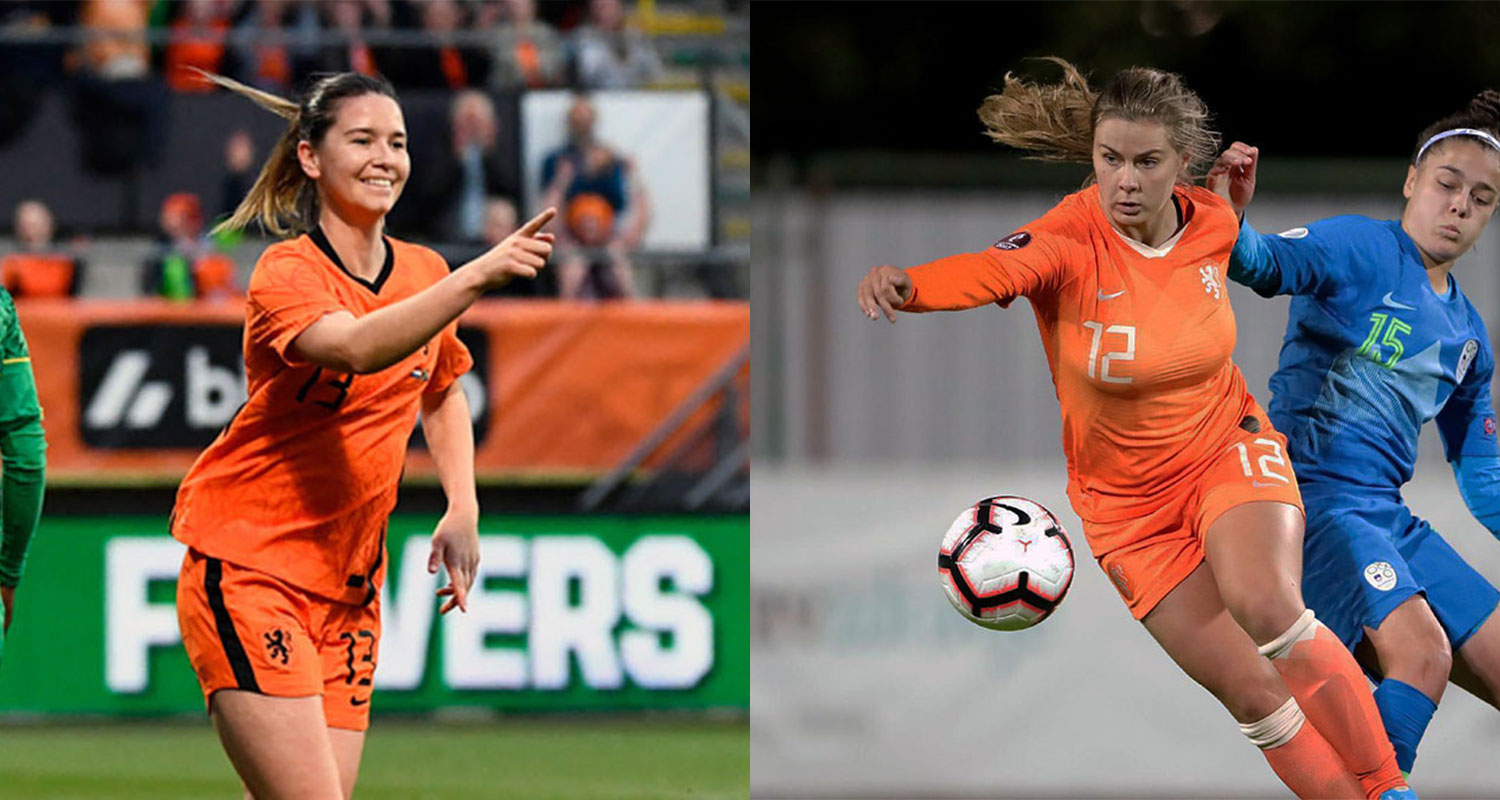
(1103, 296)
(1393, 304)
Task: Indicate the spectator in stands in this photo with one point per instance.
(453, 184)
(239, 175)
(528, 52)
(28, 68)
(198, 40)
(348, 20)
(605, 210)
(186, 266)
(609, 53)
(444, 64)
(39, 268)
(118, 104)
(263, 55)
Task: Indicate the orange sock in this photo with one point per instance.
(1333, 693)
(1301, 757)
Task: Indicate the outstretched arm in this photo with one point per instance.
(344, 342)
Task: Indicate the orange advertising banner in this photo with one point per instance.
(133, 391)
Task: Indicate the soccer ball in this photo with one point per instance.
(1005, 563)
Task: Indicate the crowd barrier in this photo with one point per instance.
(133, 391)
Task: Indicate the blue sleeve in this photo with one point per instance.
(1479, 484)
(1317, 260)
(1467, 421)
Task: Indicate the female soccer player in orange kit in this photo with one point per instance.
(349, 334)
(1182, 484)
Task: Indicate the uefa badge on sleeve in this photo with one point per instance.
(1015, 241)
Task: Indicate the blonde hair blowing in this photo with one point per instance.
(275, 200)
(1055, 122)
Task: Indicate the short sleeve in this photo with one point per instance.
(286, 296)
(1467, 421)
(1320, 259)
(1025, 263)
(453, 361)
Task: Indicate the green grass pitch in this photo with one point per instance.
(535, 758)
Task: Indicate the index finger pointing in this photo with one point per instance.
(536, 222)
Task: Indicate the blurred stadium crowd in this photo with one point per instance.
(115, 217)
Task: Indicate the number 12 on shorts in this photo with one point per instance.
(1274, 457)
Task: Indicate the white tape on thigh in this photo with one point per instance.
(1306, 627)
(1277, 728)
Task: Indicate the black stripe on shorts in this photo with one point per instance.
(238, 661)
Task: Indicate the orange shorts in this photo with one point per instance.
(1153, 553)
(245, 629)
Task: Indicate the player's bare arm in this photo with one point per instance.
(346, 343)
(455, 541)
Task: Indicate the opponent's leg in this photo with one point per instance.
(1256, 553)
(1476, 667)
(1195, 629)
(1412, 656)
(279, 745)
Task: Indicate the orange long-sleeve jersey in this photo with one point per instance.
(300, 483)
(1138, 340)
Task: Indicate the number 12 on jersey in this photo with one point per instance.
(1274, 457)
(1128, 354)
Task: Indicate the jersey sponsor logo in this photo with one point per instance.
(1015, 241)
(1465, 359)
(1390, 301)
(1294, 233)
(1209, 273)
(1381, 575)
(1103, 296)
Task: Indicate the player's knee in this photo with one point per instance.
(1421, 657)
(1266, 615)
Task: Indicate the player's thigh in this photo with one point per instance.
(348, 747)
(1476, 665)
(1192, 624)
(1256, 552)
(1411, 645)
(279, 745)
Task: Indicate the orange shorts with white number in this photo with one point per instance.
(244, 629)
(1149, 555)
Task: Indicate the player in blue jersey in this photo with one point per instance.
(1380, 340)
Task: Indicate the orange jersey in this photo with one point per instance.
(1138, 340)
(301, 481)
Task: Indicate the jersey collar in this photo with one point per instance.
(321, 240)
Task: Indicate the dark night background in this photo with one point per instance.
(1350, 80)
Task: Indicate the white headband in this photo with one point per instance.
(1478, 134)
